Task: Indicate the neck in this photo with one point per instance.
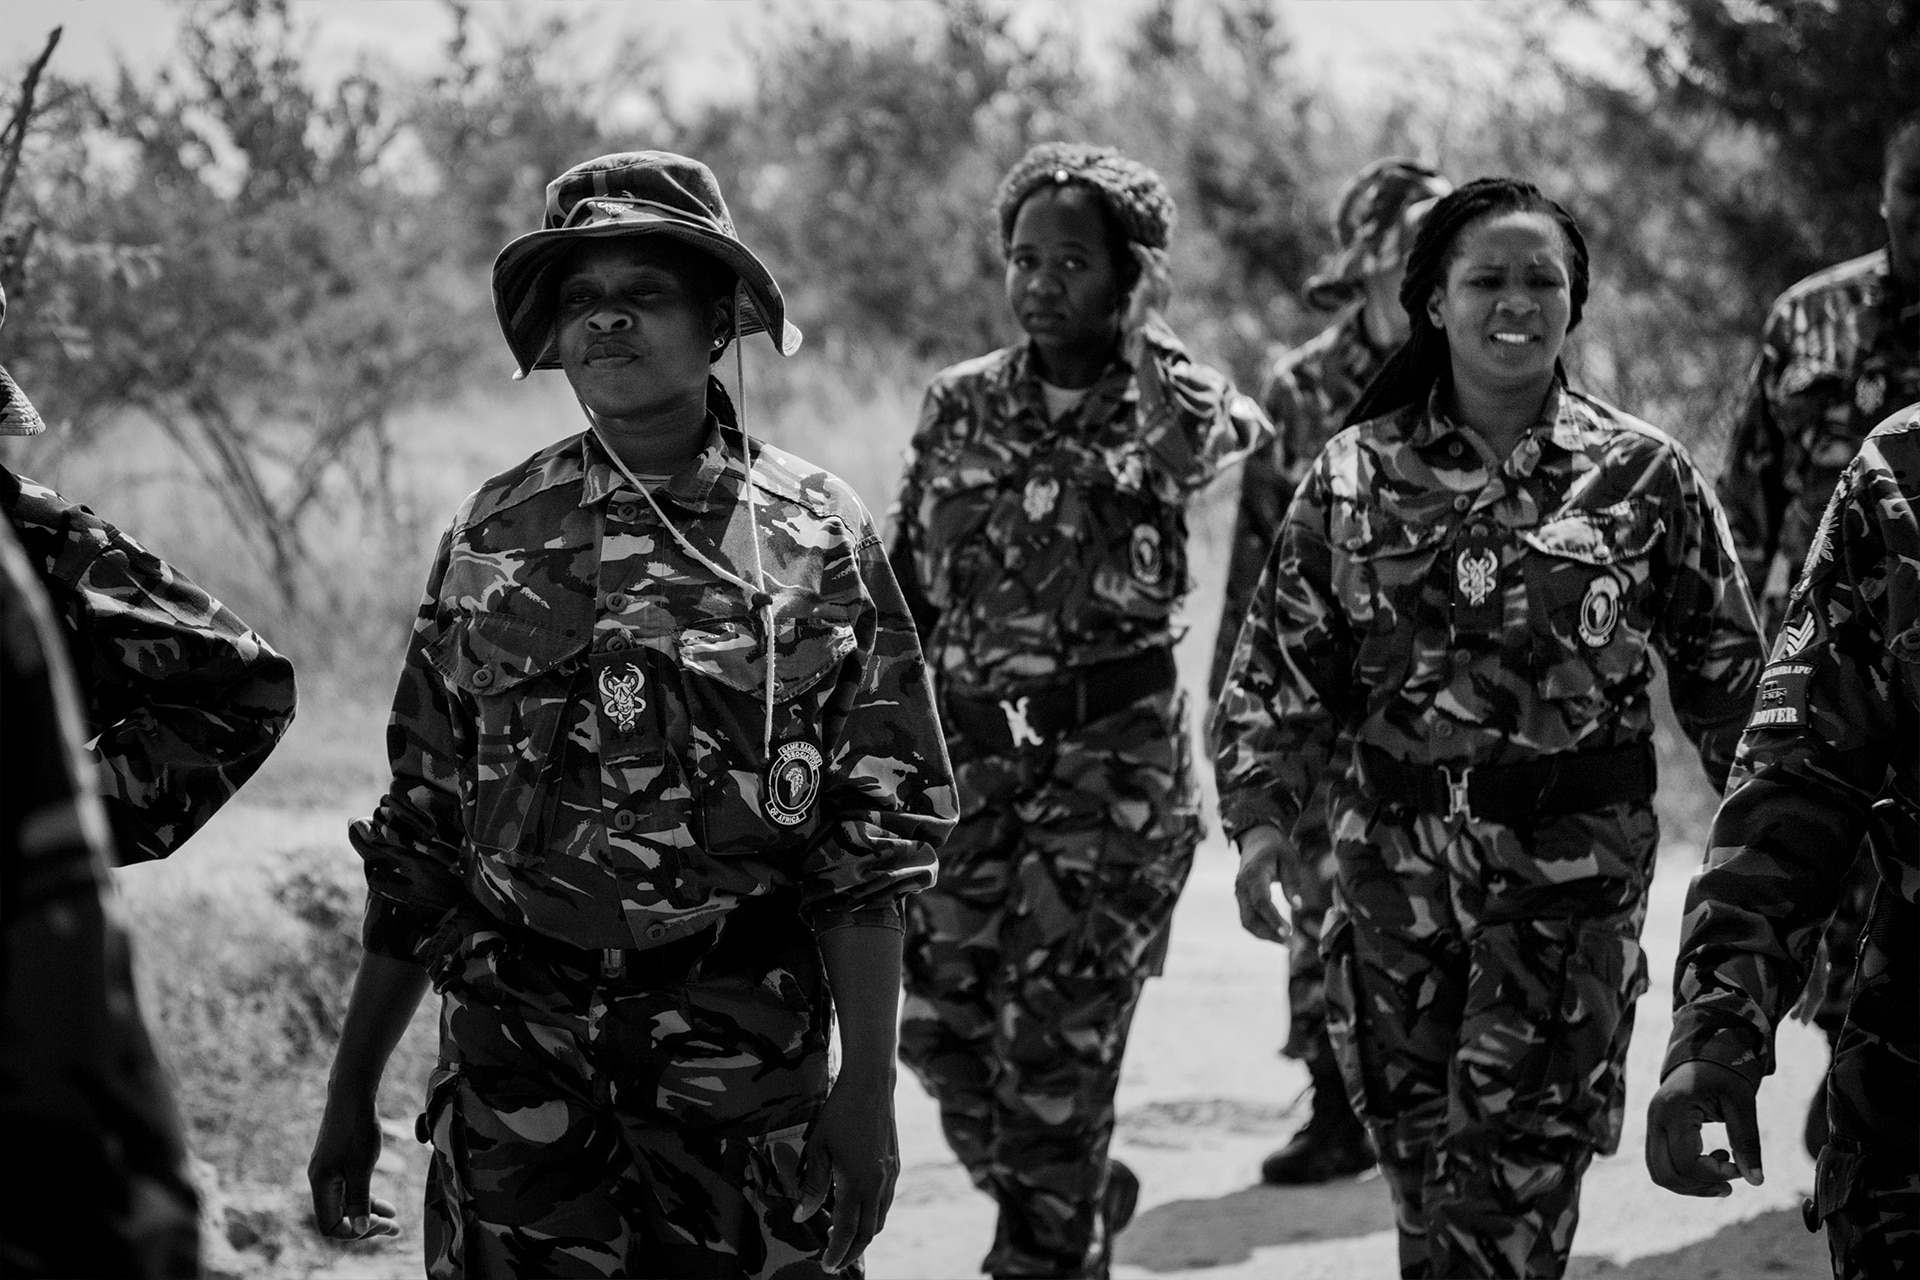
(1500, 414)
(1074, 368)
(662, 442)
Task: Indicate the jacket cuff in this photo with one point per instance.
(885, 915)
(1700, 1036)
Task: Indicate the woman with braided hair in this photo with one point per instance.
(1470, 589)
(1040, 540)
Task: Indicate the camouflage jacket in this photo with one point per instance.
(1030, 547)
(1308, 392)
(80, 1084)
(579, 740)
(1836, 723)
(1840, 350)
(1445, 610)
(183, 700)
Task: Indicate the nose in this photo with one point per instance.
(1044, 284)
(608, 320)
(1516, 303)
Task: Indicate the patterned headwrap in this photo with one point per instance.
(1375, 219)
(1131, 193)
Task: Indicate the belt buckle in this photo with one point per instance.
(613, 962)
(1018, 726)
(1459, 798)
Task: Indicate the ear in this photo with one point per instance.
(722, 319)
(1433, 310)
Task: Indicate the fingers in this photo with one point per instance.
(1743, 1135)
(1253, 890)
(816, 1176)
(854, 1226)
(1674, 1158)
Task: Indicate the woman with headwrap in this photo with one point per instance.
(1470, 589)
(1040, 537)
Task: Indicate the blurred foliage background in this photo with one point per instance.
(272, 296)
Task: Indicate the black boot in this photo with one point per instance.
(1331, 1144)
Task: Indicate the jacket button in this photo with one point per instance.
(1443, 730)
(483, 677)
(1479, 531)
(618, 601)
(1356, 542)
(623, 820)
(655, 932)
(615, 643)
(626, 512)
(1461, 502)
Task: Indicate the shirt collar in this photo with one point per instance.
(1557, 424)
(691, 487)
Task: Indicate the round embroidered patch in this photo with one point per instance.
(1038, 498)
(793, 782)
(1148, 562)
(1600, 611)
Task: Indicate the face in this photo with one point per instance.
(1061, 280)
(1505, 302)
(634, 332)
(1900, 206)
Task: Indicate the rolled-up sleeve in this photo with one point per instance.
(411, 844)
(889, 798)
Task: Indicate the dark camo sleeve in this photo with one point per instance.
(411, 844)
(81, 1087)
(1753, 476)
(1835, 719)
(1289, 687)
(184, 700)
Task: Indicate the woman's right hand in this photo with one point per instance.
(340, 1174)
(1260, 850)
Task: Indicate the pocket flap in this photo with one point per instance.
(489, 653)
(1608, 535)
(729, 650)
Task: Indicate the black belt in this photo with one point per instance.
(1035, 717)
(1568, 782)
(665, 965)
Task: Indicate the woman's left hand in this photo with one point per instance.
(854, 1148)
(1151, 292)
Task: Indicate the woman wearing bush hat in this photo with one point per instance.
(665, 764)
(1041, 533)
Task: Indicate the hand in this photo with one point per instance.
(1698, 1093)
(855, 1148)
(1260, 850)
(1151, 292)
(340, 1173)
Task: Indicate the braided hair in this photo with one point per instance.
(1410, 374)
(1135, 206)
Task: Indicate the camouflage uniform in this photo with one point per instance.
(184, 702)
(1033, 551)
(1838, 348)
(582, 844)
(1309, 390)
(1837, 723)
(1438, 610)
(80, 1086)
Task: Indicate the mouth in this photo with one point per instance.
(609, 356)
(1508, 338)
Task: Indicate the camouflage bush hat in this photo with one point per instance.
(1375, 219)
(17, 415)
(631, 193)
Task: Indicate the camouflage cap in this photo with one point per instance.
(630, 193)
(17, 414)
(1375, 218)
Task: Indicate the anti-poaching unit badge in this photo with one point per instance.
(1599, 611)
(620, 695)
(793, 782)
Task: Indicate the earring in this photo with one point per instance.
(719, 341)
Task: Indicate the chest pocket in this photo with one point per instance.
(1381, 568)
(521, 682)
(1126, 527)
(724, 669)
(1592, 597)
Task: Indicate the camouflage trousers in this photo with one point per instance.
(1481, 979)
(1025, 963)
(1306, 877)
(1867, 1183)
(649, 1125)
